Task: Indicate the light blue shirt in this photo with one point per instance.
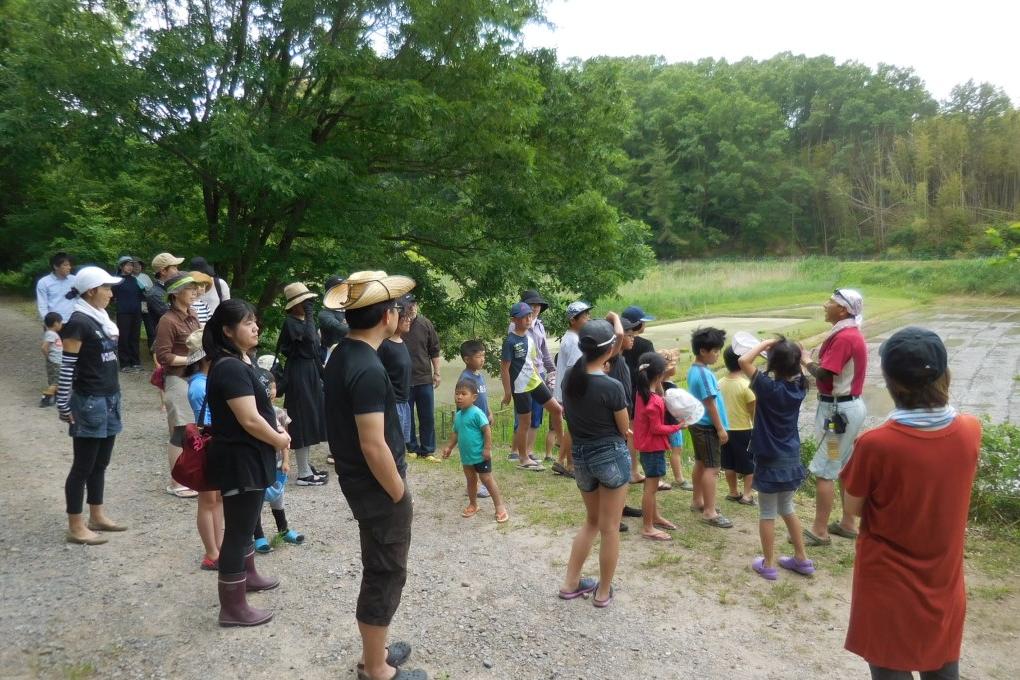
(702, 384)
(51, 296)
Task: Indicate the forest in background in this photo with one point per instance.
(292, 139)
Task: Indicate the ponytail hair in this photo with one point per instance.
(72, 294)
(577, 377)
(651, 367)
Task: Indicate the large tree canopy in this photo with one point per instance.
(297, 138)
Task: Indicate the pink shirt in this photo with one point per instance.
(845, 354)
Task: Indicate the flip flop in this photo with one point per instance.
(664, 486)
(559, 469)
(664, 526)
(181, 491)
(502, 517)
(657, 537)
(637, 481)
(747, 501)
(684, 486)
(584, 586)
(469, 511)
(533, 467)
(695, 508)
(602, 604)
(734, 499)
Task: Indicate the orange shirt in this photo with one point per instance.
(908, 602)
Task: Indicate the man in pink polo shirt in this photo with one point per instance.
(839, 374)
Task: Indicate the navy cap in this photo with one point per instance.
(637, 315)
(519, 310)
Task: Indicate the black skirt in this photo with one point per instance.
(305, 402)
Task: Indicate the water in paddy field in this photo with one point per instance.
(983, 344)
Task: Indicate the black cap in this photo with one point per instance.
(199, 264)
(533, 298)
(914, 357)
(629, 324)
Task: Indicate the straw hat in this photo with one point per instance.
(296, 293)
(195, 350)
(362, 289)
(202, 279)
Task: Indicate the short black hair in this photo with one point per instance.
(731, 359)
(364, 318)
(51, 318)
(707, 339)
(59, 259)
(469, 348)
(468, 385)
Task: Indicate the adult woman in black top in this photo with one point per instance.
(304, 398)
(596, 409)
(88, 399)
(241, 459)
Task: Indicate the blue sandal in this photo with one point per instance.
(291, 536)
(262, 546)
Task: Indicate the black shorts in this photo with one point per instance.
(483, 467)
(384, 544)
(706, 445)
(735, 455)
(522, 400)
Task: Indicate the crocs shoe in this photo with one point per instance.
(805, 568)
(291, 536)
(767, 573)
(262, 546)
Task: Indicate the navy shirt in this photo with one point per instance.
(128, 296)
(775, 439)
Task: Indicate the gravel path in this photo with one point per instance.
(139, 607)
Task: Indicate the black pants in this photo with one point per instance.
(240, 515)
(130, 326)
(951, 671)
(385, 542)
(88, 471)
(150, 329)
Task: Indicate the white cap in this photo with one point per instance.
(265, 362)
(684, 406)
(88, 278)
(575, 308)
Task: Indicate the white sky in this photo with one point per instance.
(946, 43)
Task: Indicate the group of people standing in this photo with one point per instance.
(359, 368)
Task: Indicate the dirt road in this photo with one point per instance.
(476, 596)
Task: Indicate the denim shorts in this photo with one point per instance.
(95, 417)
(654, 463)
(604, 462)
(404, 416)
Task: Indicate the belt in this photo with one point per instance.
(829, 399)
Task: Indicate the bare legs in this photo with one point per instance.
(604, 509)
(209, 520)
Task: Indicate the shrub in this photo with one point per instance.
(996, 495)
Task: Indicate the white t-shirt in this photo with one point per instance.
(568, 355)
(211, 298)
(56, 351)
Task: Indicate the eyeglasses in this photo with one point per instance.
(839, 294)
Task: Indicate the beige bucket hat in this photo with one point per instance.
(362, 289)
(296, 293)
(195, 350)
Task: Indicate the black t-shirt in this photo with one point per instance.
(397, 361)
(619, 370)
(237, 460)
(592, 416)
(357, 384)
(96, 373)
(641, 345)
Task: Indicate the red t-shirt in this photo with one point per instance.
(908, 603)
(845, 354)
(651, 433)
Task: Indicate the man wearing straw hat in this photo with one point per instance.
(367, 443)
(839, 373)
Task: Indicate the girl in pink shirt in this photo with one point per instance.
(651, 440)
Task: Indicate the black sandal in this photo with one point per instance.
(397, 655)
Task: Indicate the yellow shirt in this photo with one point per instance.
(738, 397)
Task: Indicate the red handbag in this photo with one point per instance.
(158, 378)
(190, 468)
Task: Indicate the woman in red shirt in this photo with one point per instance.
(651, 439)
(910, 480)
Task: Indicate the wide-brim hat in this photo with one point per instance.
(195, 350)
(533, 298)
(199, 263)
(201, 278)
(296, 293)
(362, 289)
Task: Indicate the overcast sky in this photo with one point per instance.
(946, 43)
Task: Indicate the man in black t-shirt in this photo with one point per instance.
(367, 445)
